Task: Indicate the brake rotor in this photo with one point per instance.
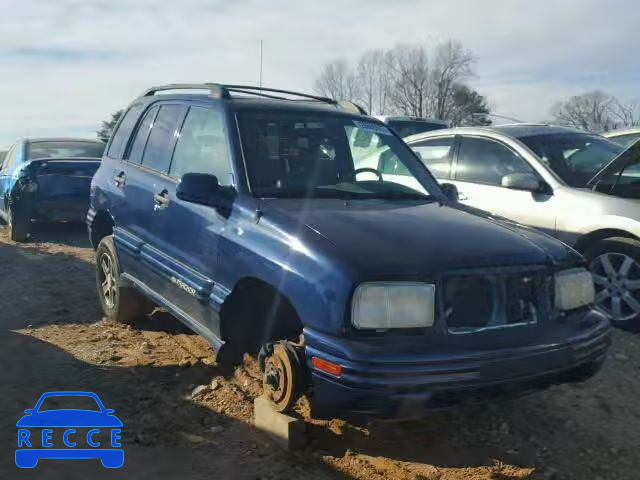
(282, 377)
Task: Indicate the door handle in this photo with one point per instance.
(462, 196)
(161, 199)
(120, 179)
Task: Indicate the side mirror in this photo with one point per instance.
(201, 188)
(522, 181)
(29, 411)
(450, 191)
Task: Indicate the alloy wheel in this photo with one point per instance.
(617, 281)
(108, 280)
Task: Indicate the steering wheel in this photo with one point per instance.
(368, 170)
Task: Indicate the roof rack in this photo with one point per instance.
(217, 90)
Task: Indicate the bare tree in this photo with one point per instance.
(411, 80)
(452, 65)
(336, 81)
(407, 80)
(625, 114)
(594, 111)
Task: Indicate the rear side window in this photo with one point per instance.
(486, 162)
(120, 137)
(140, 140)
(436, 155)
(157, 154)
(202, 146)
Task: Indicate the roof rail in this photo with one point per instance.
(217, 90)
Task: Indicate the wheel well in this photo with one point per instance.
(591, 238)
(256, 313)
(101, 227)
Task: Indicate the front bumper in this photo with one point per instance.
(403, 384)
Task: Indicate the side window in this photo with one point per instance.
(486, 162)
(157, 154)
(121, 135)
(140, 140)
(436, 155)
(8, 159)
(202, 146)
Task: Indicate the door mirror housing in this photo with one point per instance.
(523, 181)
(450, 191)
(202, 188)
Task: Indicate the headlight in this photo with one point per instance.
(384, 305)
(574, 288)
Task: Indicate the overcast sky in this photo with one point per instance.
(65, 65)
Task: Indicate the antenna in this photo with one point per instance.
(260, 84)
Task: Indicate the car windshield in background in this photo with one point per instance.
(405, 128)
(626, 140)
(300, 155)
(69, 402)
(574, 157)
(65, 149)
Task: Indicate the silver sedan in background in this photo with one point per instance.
(578, 187)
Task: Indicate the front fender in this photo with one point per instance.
(299, 267)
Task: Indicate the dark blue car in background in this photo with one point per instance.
(248, 214)
(46, 179)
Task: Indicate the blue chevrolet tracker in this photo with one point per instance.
(46, 179)
(246, 212)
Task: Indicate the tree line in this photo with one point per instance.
(596, 111)
(421, 81)
(409, 80)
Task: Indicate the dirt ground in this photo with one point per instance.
(52, 337)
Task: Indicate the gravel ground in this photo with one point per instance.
(186, 418)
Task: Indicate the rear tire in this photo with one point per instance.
(615, 264)
(18, 226)
(119, 303)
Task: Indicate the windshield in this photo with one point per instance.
(296, 155)
(574, 157)
(406, 128)
(69, 402)
(65, 149)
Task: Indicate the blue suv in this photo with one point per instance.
(255, 217)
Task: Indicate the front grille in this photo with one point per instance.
(481, 301)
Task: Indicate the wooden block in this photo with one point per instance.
(286, 431)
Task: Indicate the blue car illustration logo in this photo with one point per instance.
(92, 431)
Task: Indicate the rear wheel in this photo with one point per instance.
(119, 303)
(615, 264)
(18, 226)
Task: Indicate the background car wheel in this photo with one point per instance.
(615, 264)
(18, 227)
(122, 304)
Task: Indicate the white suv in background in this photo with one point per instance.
(579, 187)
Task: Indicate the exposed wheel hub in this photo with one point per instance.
(617, 279)
(282, 376)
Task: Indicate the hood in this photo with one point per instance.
(630, 156)
(69, 418)
(412, 238)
